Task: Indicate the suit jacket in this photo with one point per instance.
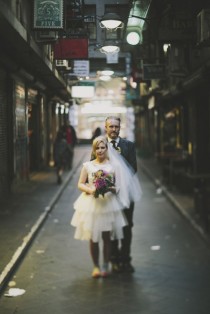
(128, 151)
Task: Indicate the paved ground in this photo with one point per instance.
(23, 214)
(183, 202)
(170, 254)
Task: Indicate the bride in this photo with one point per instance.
(107, 185)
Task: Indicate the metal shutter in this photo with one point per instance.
(3, 137)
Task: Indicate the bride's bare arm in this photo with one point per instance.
(82, 183)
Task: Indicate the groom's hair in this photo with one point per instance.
(114, 118)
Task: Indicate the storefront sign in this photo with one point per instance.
(82, 91)
(86, 83)
(67, 48)
(81, 67)
(48, 14)
(112, 58)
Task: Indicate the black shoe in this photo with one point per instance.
(127, 268)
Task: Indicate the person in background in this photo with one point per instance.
(121, 250)
(71, 139)
(59, 154)
(97, 132)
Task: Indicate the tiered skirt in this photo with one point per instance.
(93, 216)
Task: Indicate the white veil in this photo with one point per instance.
(127, 183)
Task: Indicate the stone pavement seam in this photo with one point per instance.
(28, 239)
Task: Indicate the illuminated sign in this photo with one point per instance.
(82, 91)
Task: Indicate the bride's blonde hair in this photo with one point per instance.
(97, 141)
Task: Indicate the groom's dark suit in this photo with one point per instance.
(122, 255)
(128, 151)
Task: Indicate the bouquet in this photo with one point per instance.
(102, 181)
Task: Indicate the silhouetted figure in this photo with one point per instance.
(71, 139)
(96, 133)
(59, 154)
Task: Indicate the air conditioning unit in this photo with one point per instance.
(46, 36)
(61, 64)
(203, 27)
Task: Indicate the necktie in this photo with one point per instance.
(114, 144)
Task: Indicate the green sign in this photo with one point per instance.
(48, 14)
(86, 83)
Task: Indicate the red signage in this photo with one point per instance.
(69, 48)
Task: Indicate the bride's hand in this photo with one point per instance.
(112, 189)
(89, 189)
(92, 190)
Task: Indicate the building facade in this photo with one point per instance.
(30, 88)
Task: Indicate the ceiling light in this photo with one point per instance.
(133, 38)
(109, 49)
(111, 21)
(107, 72)
(105, 78)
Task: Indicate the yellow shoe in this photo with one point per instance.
(96, 272)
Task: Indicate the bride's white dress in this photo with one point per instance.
(93, 215)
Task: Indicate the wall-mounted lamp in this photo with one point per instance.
(111, 21)
(133, 38)
(166, 47)
(134, 30)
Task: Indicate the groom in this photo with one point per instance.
(120, 252)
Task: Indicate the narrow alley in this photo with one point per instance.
(172, 263)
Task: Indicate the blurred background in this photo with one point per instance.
(78, 61)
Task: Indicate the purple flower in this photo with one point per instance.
(103, 181)
(100, 183)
